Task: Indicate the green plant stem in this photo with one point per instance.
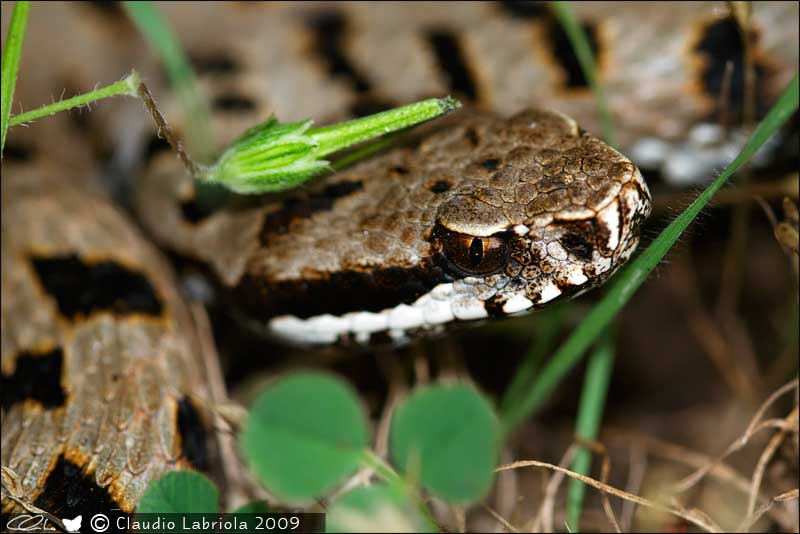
(590, 413)
(129, 85)
(10, 67)
(387, 472)
(157, 31)
(583, 51)
(335, 137)
(625, 284)
(361, 153)
(547, 330)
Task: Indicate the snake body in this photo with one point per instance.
(484, 216)
(101, 371)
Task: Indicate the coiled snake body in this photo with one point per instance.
(486, 216)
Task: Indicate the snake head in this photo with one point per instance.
(552, 215)
(486, 217)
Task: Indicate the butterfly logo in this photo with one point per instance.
(73, 525)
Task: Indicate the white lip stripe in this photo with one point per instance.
(610, 216)
(441, 305)
(516, 303)
(549, 292)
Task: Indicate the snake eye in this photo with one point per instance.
(475, 255)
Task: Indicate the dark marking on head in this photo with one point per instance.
(80, 288)
(194, 437)
(523, 9)
(69, 491)
(17, 152)
(579, 245)
(214, 64)
(472, 136)
(36, 377)
(330, 29)
(722, 42)
(567, 289)
(581, 237)
(233, 104)
(440, 186)
(564, 54)
(304, 206)
(494, 306)
(490, 164)
(400, 169)
(340, 292)
(450, 56)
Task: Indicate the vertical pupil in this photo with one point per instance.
(476, 251)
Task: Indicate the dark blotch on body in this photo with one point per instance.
(451, 60)
(523, 9)
(440, 186)
(722, 43)
(81, 288)
(400, 169)
(194, 438)
(564, 54)
(233, 104)
(215, 64)
(69, 491)
(329, 31)
(304, 206)
(17, 152)
(490, 164)
(369, 106)
(472, 136)
(155, 145)
(36, 377)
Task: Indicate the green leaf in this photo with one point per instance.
(10, 67)
(448, 437)
(180, 492)
(304, 435)
(379, 508)
(255, 507)
(625, 284)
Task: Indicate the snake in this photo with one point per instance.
(499, 209)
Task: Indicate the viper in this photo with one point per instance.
(490, 212)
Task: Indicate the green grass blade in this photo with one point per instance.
(157, 31)
(625, 284)
(129, 85)
(16, 34)
(547, 329)
(590, 413)
(583, 51)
